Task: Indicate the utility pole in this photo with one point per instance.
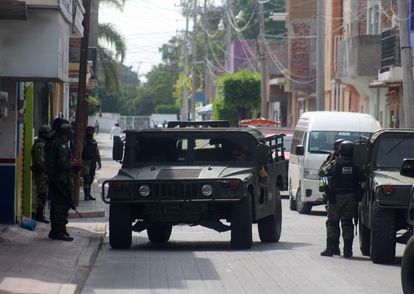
(227, 57)
(406, 63)
(82, 103)
(320, 55)
(185, 90)
(206, 72)
(194, 52)
(264, 105)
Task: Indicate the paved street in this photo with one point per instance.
(199, 260)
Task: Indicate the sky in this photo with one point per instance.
(145, 25)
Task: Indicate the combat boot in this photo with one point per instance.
(60, 236)
(335, 247)
(348, 248)
(329, 248)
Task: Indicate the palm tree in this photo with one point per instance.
(111, 49)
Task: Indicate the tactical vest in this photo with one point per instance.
(90, 150)
(345, 176)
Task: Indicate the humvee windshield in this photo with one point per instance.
(197, 147)
(393, 150)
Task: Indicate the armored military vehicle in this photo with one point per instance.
(218, 177)
(385, 207)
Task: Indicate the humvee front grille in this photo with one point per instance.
(175, 191)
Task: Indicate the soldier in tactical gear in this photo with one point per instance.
(328, 193)
(39, 174)
(60, 168)
(90, 157)
(343, 178)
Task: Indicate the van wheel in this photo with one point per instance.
(270, 227)
(302, 207)
(241, 224)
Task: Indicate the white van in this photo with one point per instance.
(314, 137)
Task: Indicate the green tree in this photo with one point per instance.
(237, 95)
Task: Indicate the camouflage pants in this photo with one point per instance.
(59, 208)
(39, 194)
(344, 209)
(88, 175)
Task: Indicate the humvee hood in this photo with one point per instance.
(391, 178)
(180, 173)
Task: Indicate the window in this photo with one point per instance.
(373, 19)
(297, 140)
(392, 151)
(323, 141)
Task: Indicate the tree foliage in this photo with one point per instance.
(238, 95)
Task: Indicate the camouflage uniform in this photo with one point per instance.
(39, 174)
(60, 172)
(90, 157)
(344, 182)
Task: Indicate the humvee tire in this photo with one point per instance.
(407, 268)
(383, 236)
(302, 207)
(364, 237)
(270, 227)
(241, 224)
(120, 226)
(159, 233)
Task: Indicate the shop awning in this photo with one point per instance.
(13, 9)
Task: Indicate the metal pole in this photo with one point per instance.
(320, 55)
(82, 104)
(227, 58)
(407, 64)
(206, 73)
(194, 53)
(185, 90)
(264, 107)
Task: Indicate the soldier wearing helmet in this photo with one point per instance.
(39, 173)
(90, 157)
(344, 180)
(329, 194)
(60, 168)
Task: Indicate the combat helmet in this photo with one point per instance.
(65, 129)
(44, 132)
(57, 123)
(89, 131)
(338, 143)
(346, 149)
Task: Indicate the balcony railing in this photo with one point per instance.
(390, 49)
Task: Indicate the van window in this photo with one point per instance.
(297, 140)
(323, 141)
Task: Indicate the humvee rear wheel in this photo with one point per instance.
(159, 233)
(270, 227)
(407, 268)
(120, 226)
(364, 237)
(302, 207)
(383, 235)
(241, 224)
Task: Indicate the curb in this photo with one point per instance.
(85, 262)
(87, 214)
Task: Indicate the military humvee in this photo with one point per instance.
(217, 177)
(385, 207)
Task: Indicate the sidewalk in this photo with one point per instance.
(32, 263)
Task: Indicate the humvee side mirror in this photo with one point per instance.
(407, 168)
(361, 154)
(263, 154)
(118, 150)
(300, 150)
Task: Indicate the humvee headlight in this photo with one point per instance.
(144, 190)
(207, 190)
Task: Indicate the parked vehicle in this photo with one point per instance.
(196, 174)
(385, 210)
(314, 137)
(407, 264)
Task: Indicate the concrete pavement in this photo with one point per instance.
(32, 263)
